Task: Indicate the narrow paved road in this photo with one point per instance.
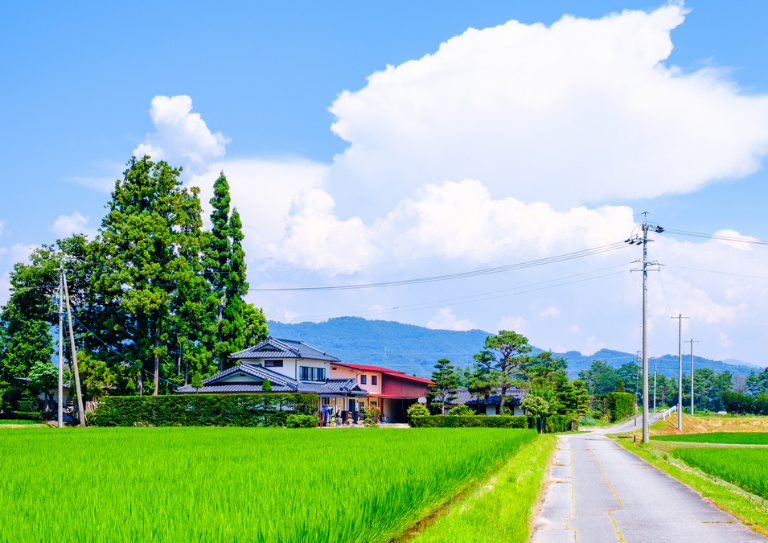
(598, 491)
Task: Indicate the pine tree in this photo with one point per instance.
(446, 381)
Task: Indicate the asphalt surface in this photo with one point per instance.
(599, 492)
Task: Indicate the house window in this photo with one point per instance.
(374, 380)
(362, 380)
(273, 363)
(311, 374)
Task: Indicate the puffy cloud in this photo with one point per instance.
(551, 311)
(446, 320)
(592, 346)
(516, 324)
(581, 111)
(263, 191)
(456, 220)
(66, 225)
(180, 137)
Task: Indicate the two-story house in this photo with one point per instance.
(391, 391)
(290, 366)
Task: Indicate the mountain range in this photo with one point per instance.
(415, 349)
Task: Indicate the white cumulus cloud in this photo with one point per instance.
(580, 111)
(181, 137)
(446, 320)
(551, 311)
(66, 225)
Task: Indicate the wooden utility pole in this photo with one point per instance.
(81, 411)
(61, 347)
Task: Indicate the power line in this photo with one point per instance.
(716, 236)
(438, 303)
(461, 275)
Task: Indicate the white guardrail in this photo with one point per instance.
(668, 412)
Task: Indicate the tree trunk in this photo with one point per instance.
(157, 359)
(503, 395)
(140, 383)
(442, 403)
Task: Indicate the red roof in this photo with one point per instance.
(387, 371)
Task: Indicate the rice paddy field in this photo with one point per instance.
(744, 467)
(732, 438)
(236, 484)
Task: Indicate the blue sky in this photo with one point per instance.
(80, 81)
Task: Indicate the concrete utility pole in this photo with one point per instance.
(654, 386)
(691, 342)
(61, 347)
(637, 240)
(680, 370)
(81, 411)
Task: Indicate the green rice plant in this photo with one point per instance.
(236, 484)
(731, 438)
(744, 467)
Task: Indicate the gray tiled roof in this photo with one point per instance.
(280, 383)
(345, 386)
(464, 397)
(283, 348)
(253, 370)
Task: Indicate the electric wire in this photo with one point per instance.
(460, 275)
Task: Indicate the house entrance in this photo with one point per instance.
(353, 409)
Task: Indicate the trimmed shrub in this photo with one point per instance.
(25, 415)
(301, 421)
(203, 410)
(462, 410)
(619, 405)
(470, 421)
(554, 424)
(417, 410)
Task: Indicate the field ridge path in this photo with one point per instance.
(597, 491)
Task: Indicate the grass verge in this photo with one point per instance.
(748, 508)
(501, 508)
(18, 423)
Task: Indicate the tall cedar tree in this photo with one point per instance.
(446, 381)
(217, 258)
(238, 324)
(138, 251)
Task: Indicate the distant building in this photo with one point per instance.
(391, 391)
(491, 404)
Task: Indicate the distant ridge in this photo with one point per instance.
(415, 349)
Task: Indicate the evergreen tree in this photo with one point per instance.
(445, 383)
(217, 261)
(139, 242)
(619, 386)
(238, 324)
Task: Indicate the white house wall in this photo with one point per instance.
(291, 366)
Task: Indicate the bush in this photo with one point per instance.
(619, 405)
(559, 423)
(203, 410)
(470, 421)
(586, 420)
(417, 410)
(25, 415)
(301, 421)
(462, 410)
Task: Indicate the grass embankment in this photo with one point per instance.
(18, 423)
(501, 508)
(743, 467)
(237, 484)
(730, 438)
(710, 423)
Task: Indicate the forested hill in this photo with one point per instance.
(414, 349)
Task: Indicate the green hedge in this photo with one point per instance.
(203, 410)
(470, 421)
(554, 424)
(619, 405)
(301, 421)
(24, 415)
